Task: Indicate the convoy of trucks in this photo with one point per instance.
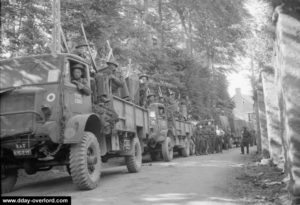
(47, 122)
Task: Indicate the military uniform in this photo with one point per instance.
(81, 83)
(104, 80)
(205, 146)
(143, 90)
(107, 79)
(246, 137)
(197, 135)
(150, 99)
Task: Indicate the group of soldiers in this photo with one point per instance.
(177, 108)
(209, 141)
(108, 82)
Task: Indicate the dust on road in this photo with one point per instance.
(205, 179)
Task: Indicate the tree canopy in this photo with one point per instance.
(189, 44)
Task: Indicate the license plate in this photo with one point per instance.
(22, 152)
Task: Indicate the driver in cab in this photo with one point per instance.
(78, 79)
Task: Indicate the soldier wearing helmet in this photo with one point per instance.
(79, 80)
(107, 79)
(150, 99)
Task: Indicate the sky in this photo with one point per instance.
(239, 80)
(260, 11)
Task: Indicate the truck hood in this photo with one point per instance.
(18, 110)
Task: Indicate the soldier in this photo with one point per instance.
(173, 105)
(150, 99)
(246, 137)
(197, 140)
(80, 50)
(202, 138)
(212, 137)
(205, 146)
(183, 110)
(78, 80)
(106, 78)
(162, 100)
(144, 86)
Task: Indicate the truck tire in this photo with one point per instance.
(8, 180)
(167, 150)
(186, 150)
(134, 162)
(85, 162)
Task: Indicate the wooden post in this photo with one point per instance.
(56, 37)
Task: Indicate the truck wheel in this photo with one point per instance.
(134, 162)
(8, 180)
(85, 162)
(167, 149)
(186, 150)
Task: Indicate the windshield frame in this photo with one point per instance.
(51, 58)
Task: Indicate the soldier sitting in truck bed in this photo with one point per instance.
(78, 80)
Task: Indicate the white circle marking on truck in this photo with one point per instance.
(51, 97)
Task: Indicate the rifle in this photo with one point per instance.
(110, 54)
(159, 92)
(64, 39)
(89, 49)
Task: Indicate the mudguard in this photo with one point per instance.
(50, 128)
(78, 124)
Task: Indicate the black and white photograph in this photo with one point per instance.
(150, 102)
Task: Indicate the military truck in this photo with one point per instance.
(166, 135)
(47, 122)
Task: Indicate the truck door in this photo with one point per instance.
(75, 101)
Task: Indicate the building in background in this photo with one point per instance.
(243, 111)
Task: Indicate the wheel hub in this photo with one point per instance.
(91, 159)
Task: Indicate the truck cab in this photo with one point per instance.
(47, 121)
(167, 134)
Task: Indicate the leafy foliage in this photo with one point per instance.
(190, 44)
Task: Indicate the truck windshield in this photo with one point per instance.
(19, 72)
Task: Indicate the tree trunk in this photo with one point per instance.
(263, 124)
(146, 11)
(258, 132)
(190, 47)
(161, 29)
(187, 35)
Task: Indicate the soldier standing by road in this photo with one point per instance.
(197, 140)
(205, 142)
(246, 136)
(212, 137)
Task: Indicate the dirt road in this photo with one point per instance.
(205, 179)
